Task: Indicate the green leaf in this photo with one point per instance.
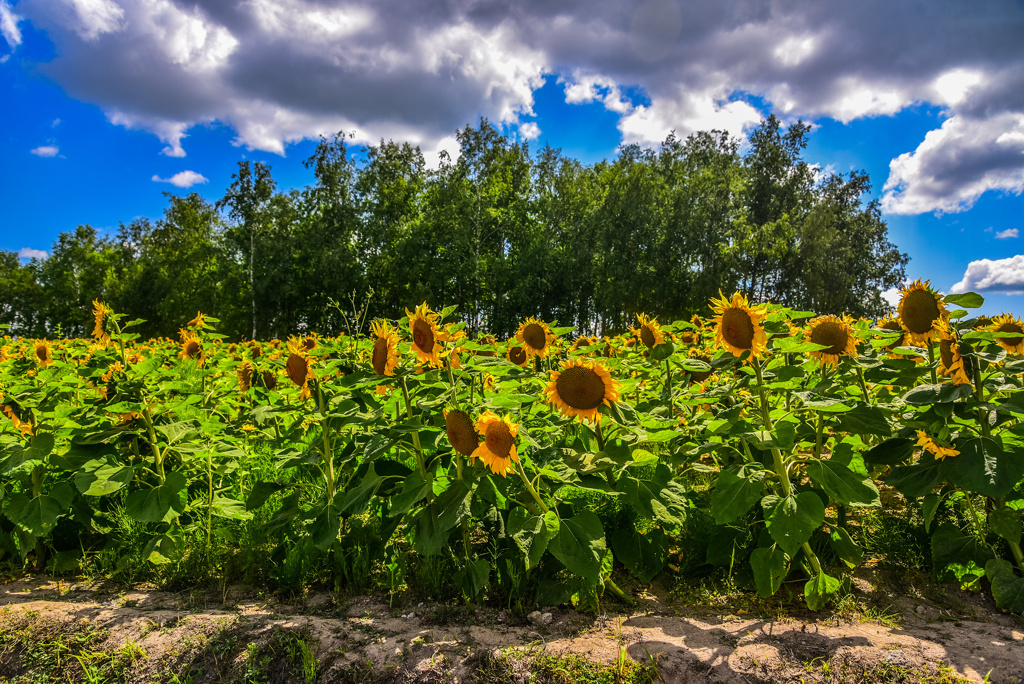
(929, 507)
(844, 546)
(261, 491)
(475, 576)
(819, 590)
(663, 351)
(984, 468)
(162, 550)
(791, 520)
(231, 509)
(1007, 588)
(644, 554)
(99, 478)
(159, 504)
(922, 395)
(843, 484)
(430, 538)
(916, 479)
(967, 300)
(36, 516)
(865, 420)
(414, 490)
(356, 499)
(891, 452)
(957, 556)
(532, 533)
(734, 495)
(654, 498)
(1006, 523)
(769, 566)
(580, 545)
(325, 527)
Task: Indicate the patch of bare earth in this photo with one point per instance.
(153, 636)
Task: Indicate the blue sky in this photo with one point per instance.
(107, 100)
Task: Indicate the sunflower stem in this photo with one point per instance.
(818, 434)
(158, 460)
(415, 435)
(530, 488)
(600, 435)
(863, 385)
(326, 440)
(931, 362)
(608, 582)
(1018, 556)
(979, 394)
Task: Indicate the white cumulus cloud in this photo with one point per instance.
(46, 151)
(183, 179)
(29, 253)
(993, 275)
(9, 25)
(1008, 233)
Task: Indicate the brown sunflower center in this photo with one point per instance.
(832, 334)
(499, 439)
(296, 369)
(269, 379)
(647, 335)
(192, 349)
(700, 376)
(461, 433)
(309, 343)
(533, 335)
(580, 388)
(517, 355)
(43, 354)
(1009, 328)
(920, 311)
(737, 328)
(423, 336)
(380, 355)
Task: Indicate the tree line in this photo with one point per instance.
(501, 233)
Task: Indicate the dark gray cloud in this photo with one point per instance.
(277, 71)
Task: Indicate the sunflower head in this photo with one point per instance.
(535, 337)
(581, 387)
(198, 322)
(1008, 324)
(517, 355)
(461, 433)
(951, 363)
(299, 369)
(920, 310)
(246, 375)
(21, 424)
(385, 348)
(99, 314)
(928, 444)
(42, 352)
(426, 337)
(192, 348)
(892, 325)
(268, 379)
(648, 331)
(498, 450)
(738, 325)
(836, 334)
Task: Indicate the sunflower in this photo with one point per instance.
(268, 379)
(648, 331)
(198, 322)
(739, 325)
(498, 450)
(246, 375)
(426, 337)
(835, 333)
(385, 348)
(517, 355)
(299, 369)
(460, 432)
(928, 444)
(700, 376)
(950, 361)
(191, 348)
(582, 342)
(536, 337)
(43, 353)
(890, 324)
(580, 387)
(1008, 324)
(920, 310)
(22, 426)
(99, 312)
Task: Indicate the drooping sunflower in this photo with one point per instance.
(1008, 324)
(268, 379)
(498, 450)
(836, 333)
(951, 363)
(581, 387)
(582, 342)
(43, 353)
(385, 348)
(426, 337)
(22, 426)
(536, 337)
(191, 347)
(892, 325)
(738, 325)
(246, 376)
(99, 313)
(648, 331)
(299, 369)
(920, 310)
(198, 321)
(517, 355)
(928, 444)
(461, 432)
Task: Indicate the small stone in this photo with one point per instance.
(896, 657)
(502, 616)
(534, 617)
(546, 619)
(1016, 636)
(921, 610)
(398, 650)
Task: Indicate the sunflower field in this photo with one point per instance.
(543, 469)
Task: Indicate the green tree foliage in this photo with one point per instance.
(500, 232)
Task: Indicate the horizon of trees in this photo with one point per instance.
(499, 233)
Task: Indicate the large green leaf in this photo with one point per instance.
(325, 527)
(844, 546)
(865, 420)
(957, 556)
(532, 533)
(430, 538)
(357, 498)
(967, 300)
(580, 545)
(1006, 523)
(819, 590)
(984, 468)
(734, 495)
(159, 504)
(414, 490)
(944, 393)
(891, 452)
(851, 486)
(769, 566)
(916, 479)
(231, 509)
(791, 520)
(644, 554)
(1007, 587)
(99, 478)
(37, 515)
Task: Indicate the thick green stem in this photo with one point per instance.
(818, 435)
(979, 394)
(209, 503)
(328, 454)
(415, 435)
(608, 582)
(863, 385)
(158, 460)
(529, 487)
(931, 362)
(1018, 556)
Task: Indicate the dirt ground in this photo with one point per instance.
(155, 636)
